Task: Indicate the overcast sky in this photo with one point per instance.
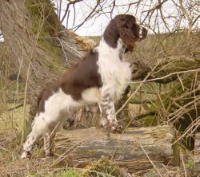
(96, 25)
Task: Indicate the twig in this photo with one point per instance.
(181, 82)
(67, 8)
(151, 113)
(185, 171)
(24, 104)
(195, 124)
(134, 93)
(16, 107)
(150, 160)
(63, 156)
(166, 76)
(78, 26)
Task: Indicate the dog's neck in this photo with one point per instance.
(112, 38)
(118, 51)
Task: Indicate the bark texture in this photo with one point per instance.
(130, 149)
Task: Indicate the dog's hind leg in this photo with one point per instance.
(49, 140)
(48, 143)
(39, 128)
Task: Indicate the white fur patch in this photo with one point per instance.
(115, 73)
(59, 102)
(56, 106)
(91, 95)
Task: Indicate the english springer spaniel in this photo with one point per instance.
(101, 77)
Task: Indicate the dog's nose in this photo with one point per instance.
(142, 32)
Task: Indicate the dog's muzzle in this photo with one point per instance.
(142, 33)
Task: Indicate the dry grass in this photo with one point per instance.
(165, 100)
(86, 43)
(165, 55)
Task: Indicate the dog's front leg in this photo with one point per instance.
(108, 117)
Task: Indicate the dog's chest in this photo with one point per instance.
(115, 73)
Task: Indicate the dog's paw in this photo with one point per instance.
(25, 155)
(116, 128)
(113, 127)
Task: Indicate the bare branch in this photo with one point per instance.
(59, 9)
(67, 8)
(112, 9)
(88, 16)
(195, 20)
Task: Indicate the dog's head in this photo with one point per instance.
(128, 30)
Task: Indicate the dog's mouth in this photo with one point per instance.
(142, 35)
(126, 50)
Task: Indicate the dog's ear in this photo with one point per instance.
(127, 37)
(128, 30)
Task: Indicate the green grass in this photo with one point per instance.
(69, 173)
(102, 168)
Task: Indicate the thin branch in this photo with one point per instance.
(154, 166)
(134, 93)
(67, 8)
(112, 9)
(16, 107)
(89, 15)
(59, 9)
(152, 113)
(195, 20)
(169, 75)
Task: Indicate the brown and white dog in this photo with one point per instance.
(101, 77)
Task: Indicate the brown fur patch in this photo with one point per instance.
(44, 95)
(124, 27)
(83, 76)
(74, 81)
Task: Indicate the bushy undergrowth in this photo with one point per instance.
(173, 94)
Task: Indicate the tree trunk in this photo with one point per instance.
(134, 149)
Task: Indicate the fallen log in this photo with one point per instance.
(135, 149)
